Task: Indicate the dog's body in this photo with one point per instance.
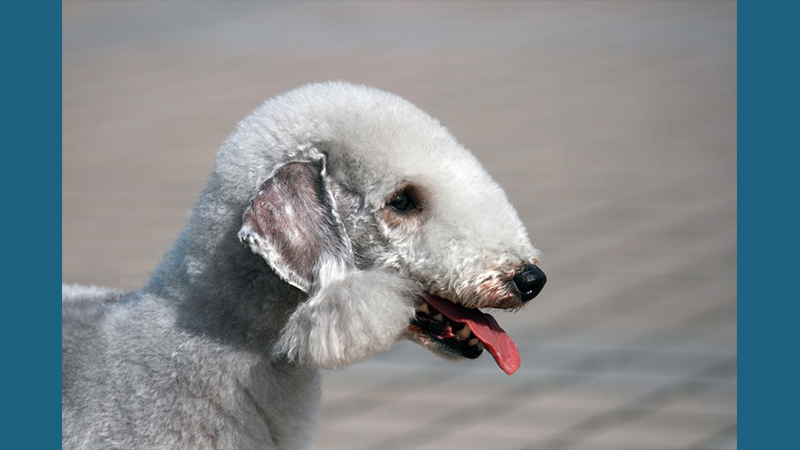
(332, 212)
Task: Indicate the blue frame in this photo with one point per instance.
(767, 66)
(767, 94)
(31, 159)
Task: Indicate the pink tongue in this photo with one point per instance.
(485, 328)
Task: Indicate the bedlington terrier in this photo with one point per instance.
(337, 220)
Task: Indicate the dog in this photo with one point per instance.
(337, 220)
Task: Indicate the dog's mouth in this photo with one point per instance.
(455, 331)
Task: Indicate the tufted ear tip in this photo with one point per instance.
(355, 315)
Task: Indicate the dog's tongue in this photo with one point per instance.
(485, 328)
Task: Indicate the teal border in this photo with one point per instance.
(768, 227)
(768, 231)
(30, 186)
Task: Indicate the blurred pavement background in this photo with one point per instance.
(611, 125)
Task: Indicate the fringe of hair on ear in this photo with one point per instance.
(351, 316)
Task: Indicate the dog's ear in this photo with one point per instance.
(293, 224)
(350, 315)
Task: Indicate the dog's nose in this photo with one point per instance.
(530, 281)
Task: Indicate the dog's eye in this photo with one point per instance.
(402, 202)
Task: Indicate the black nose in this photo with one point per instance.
(530, 281)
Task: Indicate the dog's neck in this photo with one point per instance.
(223, 294)
(218, 286)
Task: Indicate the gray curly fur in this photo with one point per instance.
(273, 278)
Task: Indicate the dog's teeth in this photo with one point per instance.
(423, 308)
(479, 345)
(473, 342)
(463, 333)
(438, 318)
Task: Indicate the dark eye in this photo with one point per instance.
(402, 202)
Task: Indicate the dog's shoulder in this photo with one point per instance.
(83, 310)
(76, 293)
(80, 302)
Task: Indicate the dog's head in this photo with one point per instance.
(390, 226)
